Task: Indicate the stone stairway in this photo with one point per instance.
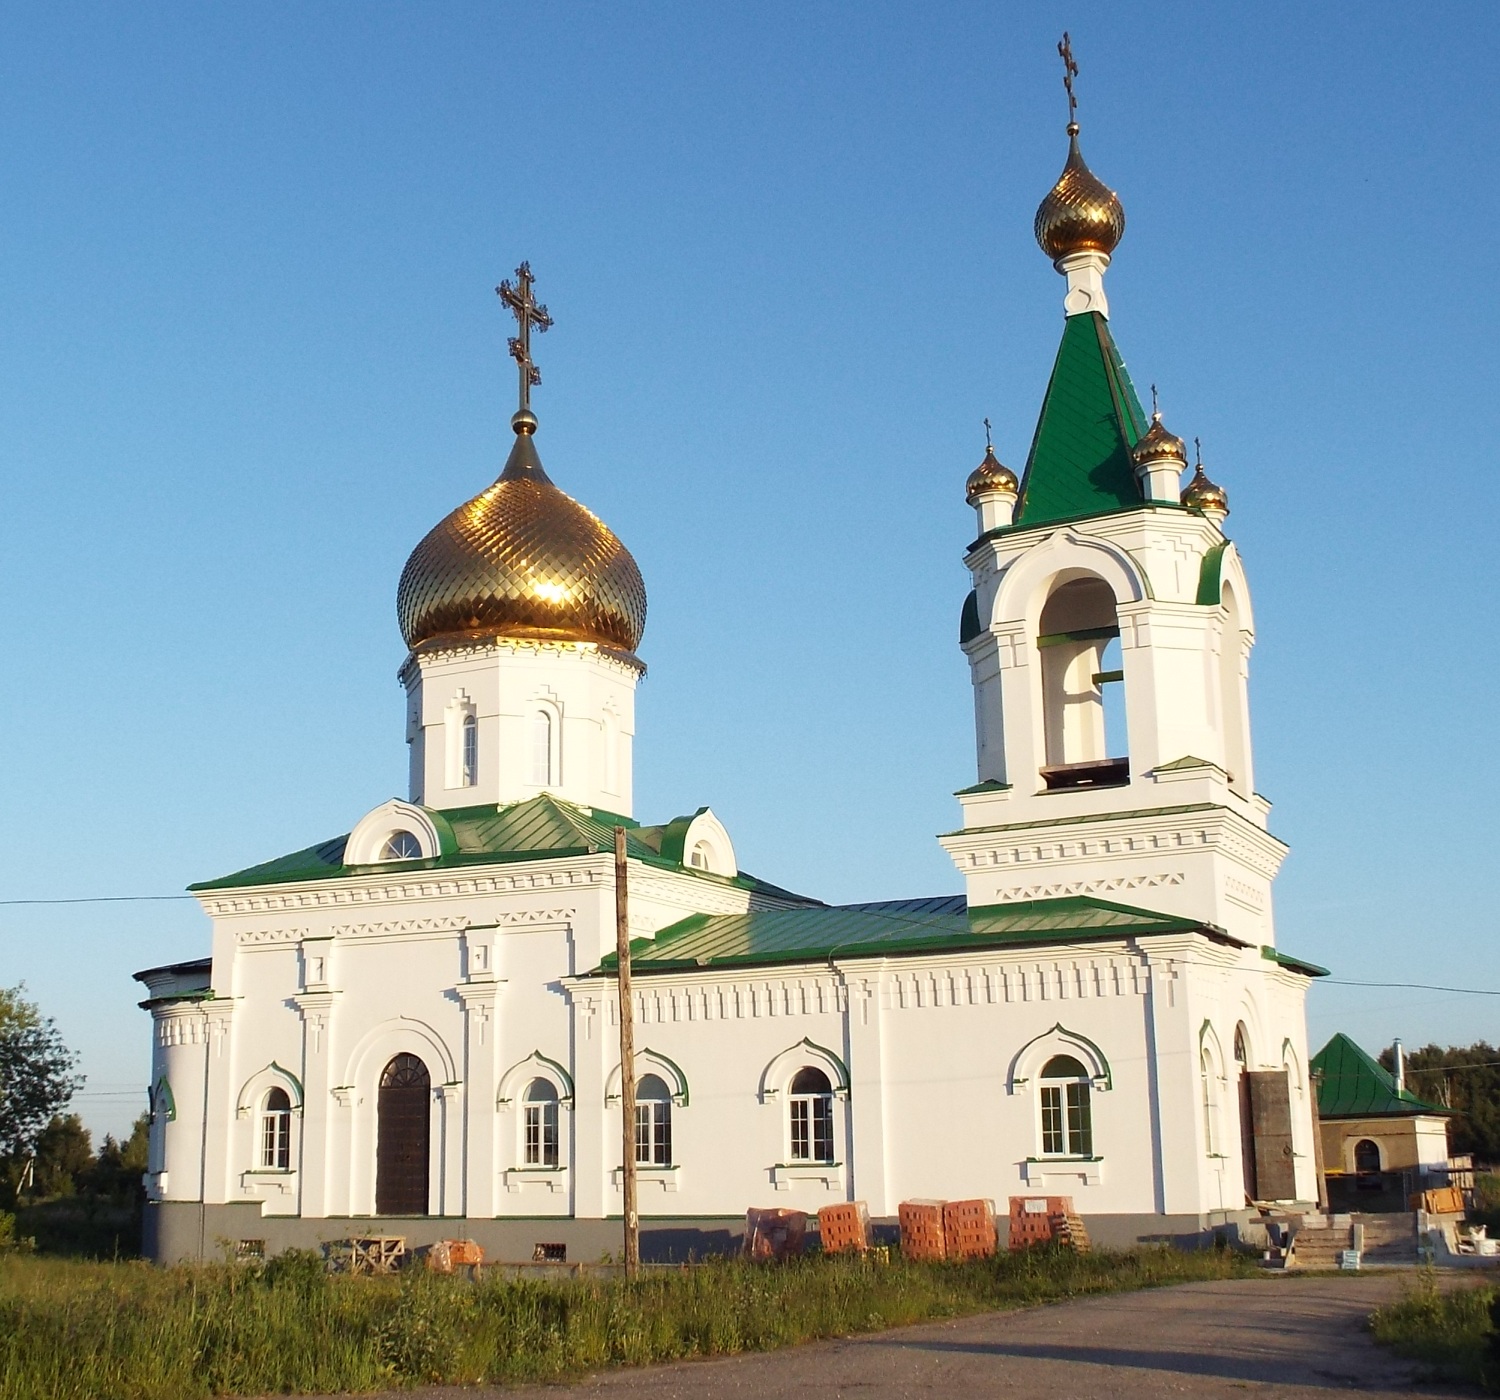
(1320, 1240)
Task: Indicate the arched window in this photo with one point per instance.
(1210, 1103)
(653, 1122)
(539, 1148)
(1067, 1117)
(699, 857)
(469, 768)
(810, 1109)
(1366, 1156)
(541, 748)
(1082, 677)
(404, 1139)
(401, 845)
(276, 1131)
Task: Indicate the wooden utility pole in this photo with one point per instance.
(627, 1060)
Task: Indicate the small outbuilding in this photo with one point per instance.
(1380, 1141)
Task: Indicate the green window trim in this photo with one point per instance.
(1211, 577)
(163, 1096)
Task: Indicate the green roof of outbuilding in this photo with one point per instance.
(541, 828)
(1352, 1085)
(887, 930)
(1080, 462)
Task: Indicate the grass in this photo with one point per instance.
(71, 1330)
(1454, 1332)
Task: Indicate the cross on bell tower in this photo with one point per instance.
(528, 312)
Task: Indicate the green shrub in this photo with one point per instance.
(1456, 1332)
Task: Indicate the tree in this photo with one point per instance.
(119, 1167)
(1467, 1080)
(64, 1157)
(36, 1072)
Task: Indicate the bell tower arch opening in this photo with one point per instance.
(1082, 683)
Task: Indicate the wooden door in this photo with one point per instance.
(404, 1138)
(1271, 1109)
(1247, 1138)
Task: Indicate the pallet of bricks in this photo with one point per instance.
(774, 1234)
(922, 1234)
(969, 1229)
(448, 1255)
(1038, 1220)
(844, 1228)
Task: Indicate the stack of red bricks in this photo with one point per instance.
(969, 1229)
(845, 1228)
(774, 1233)
(922, 1233)
(1034, 1219)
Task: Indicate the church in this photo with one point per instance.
(413, 1028)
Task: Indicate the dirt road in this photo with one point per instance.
(1278, 1336)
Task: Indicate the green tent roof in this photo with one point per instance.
(1352, 1085)
(1080, 462)
(884, 930)
(541, 828)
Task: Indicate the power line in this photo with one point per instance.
(1415, 987)
(102, 899)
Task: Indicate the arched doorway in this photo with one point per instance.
(1247, 1114)
(404, 1138)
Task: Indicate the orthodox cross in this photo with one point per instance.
(1070, 71)
(1155, 413)
(528, 312)
(1198, 450)
(988, 445)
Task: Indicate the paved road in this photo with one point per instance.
(1278, 1336)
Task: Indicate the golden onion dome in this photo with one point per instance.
(522, 559)
(990, 475)
(1080, 213)
(1160, 445)
(1202, 494)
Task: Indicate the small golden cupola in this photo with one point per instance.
(1203, 495)
(992, 489)
(522, 559)
(1160, 459)
(1081, 221)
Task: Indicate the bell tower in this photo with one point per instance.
(1108, 635)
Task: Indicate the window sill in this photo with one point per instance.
(1038, 1171)
(665, 1177)
(273, 1187)
(553, 1179)
(831, 1174)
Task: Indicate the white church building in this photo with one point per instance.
(413, 1029)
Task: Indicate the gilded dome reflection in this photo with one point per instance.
(522, 559)
(1080, 213)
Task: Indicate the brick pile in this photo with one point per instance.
(845, 1228)
(774, 1233)
(922, 1233)
(1034, 1219)
(969, 1229)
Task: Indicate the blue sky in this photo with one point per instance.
(251, 353)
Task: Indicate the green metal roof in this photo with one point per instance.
(1080, 462)
(1286, 960)
(541, 828)
(891, 929)
(1352, 1085)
